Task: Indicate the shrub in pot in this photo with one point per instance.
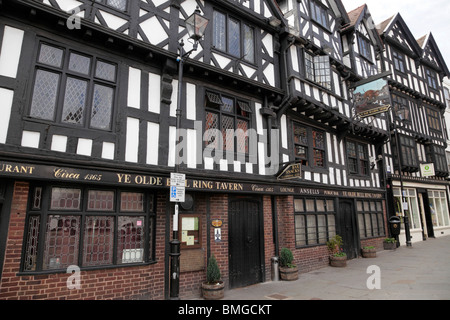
(390, 244)
(288, 270)
(214, 287)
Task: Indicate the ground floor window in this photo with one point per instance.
(370, 218)
(438, 208)
(412, 207)
(88, 228)
(315, 221)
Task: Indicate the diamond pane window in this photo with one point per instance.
(74, 101)
(102, 102)
(31, 244)
(211, 126)
(86, 84)
(51, 56)
(106, 71)
(79, 63)
(44, 95)
(234, 39)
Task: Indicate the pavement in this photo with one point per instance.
(419, 272)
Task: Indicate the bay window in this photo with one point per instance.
(317, 69)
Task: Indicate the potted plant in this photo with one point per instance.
(213, 288)
(288, 270)
(369, 252)
(390, 244)
(338, 258)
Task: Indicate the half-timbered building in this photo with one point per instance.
(416, 153)
(102, 100)
(338, 151)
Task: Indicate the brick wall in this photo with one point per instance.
(116, 283)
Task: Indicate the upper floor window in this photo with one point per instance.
(408, 153)
(319, 14)
(233, 36)
(309, 146)
(434, 119)
(120, 5)
(399, 61)
(431, 79)
(231, 117)
(364, 47)
(401, 108)
(317, 69)
(358, 158)
(73, 88)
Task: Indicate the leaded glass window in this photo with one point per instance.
(120, 5)
(309, 146)
(231, 118)
(233, 36)
(317, 69)
(88, 228)
(76, 77)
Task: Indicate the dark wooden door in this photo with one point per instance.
(348, 231)
(245, 243)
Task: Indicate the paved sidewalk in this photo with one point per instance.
(420, 272)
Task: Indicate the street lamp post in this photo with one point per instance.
(195, 25)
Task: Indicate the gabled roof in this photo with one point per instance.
(394, 25)
(362, 15)
(432, 54)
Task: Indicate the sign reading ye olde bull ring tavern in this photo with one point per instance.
(75, 175)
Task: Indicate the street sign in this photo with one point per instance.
(177, 187)
(177, 194)
(177, 179)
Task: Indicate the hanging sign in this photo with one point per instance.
(372, 98)
(217, 223)
(427, 170)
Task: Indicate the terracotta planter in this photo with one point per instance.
(369, 253)
(213, 291)
(389, 245)
(339, 262)
(289, 274)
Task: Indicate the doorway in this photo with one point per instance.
(246, 253)
(423, 198)
(347, 224)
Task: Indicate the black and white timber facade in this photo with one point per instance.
(89, 93)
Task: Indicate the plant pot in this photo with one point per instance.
(339, 262)
(213, 291)
(289, 274)
(369, 253)
(389, 245)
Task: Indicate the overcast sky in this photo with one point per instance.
(421, 16)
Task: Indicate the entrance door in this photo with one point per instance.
(347, 222)
(426, 207)
(245, 243)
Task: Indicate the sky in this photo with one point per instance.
(421, 16)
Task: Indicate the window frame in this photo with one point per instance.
(432, 79)
(65, 73)
(106, 4)
(310, 145)
(433, 119)
(400, 103)
(367, 211)
(221, 40)
(44, 213)
(399, 61)
(213, 105)
(319, 17)
(301, 212)
(408, 153)
(365, 47)
(362, 162)
(317, 70)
